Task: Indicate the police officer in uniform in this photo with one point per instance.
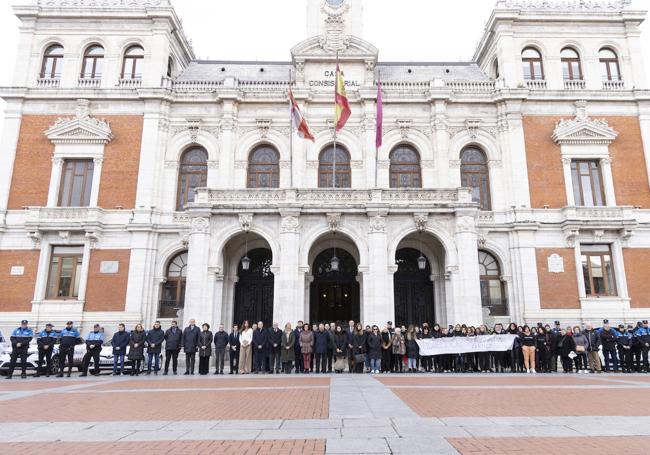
(70, 337)
(643, 335)
(608, 337)
(45, 340)
(94, 342)
(20, 339)
(624, 344)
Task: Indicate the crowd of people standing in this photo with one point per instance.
(333, 348)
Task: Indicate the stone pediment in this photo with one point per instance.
(583, 129)
(320, 48)
(80, 129)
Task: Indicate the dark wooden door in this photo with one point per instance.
(414, 303)
(254, 290)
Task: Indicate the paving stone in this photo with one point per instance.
(146, 425)
(192, 425)
(466, 421)
(424, 445)
(248, 424)
(357, 446)
(365, 423)
(161, 435)
(219, 435)
(312, 423)
(370, 432)
(611, 429)
(548, 431)
(431, 430)
(493, 431)
(517, 421)
(301, 433)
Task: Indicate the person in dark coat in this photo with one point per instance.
(374, 349)
(173, 340)
(119, 342)
(296, 347)
(321, 345)
(136, 349)
(205, 349)
(235, 345)
(220, 344)
(412, 349)
(340, 348)
(566, 345)
(275, 338)
(190, 345)
(155, 339)
(359, 348)
(386, 351)
(287, 348)
(260, 348)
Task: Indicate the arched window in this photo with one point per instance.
(493, 293)
(131, 66)
(92, 63)
(611, 71)
(405, 168)
(532, 64)
(327, 166)
(52, 59)
(170, 67)
(474, 174)
(193, 174)
(264, 168)
(173, 292)
(571, 67)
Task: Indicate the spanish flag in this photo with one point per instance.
(341, 105)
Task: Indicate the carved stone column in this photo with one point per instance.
(289, 295)
(197, 304)
(466, 306)
(377, 304)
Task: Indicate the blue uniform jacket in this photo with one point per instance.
(22, 336)
(46, 338)
(94, 340)
(70, 337)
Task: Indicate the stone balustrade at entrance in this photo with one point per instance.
(397, 198)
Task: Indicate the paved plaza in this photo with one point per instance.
(339, 414)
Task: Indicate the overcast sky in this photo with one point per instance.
(402, 30)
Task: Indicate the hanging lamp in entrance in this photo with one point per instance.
(246, 261)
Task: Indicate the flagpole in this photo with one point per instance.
(336, 81)
(290, 133)
(377, 129)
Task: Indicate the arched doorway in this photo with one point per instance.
(334, 295)
(414, 298)
(254, 289)
(172, 300)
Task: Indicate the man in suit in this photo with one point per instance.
(300, 366)
(233, 341)
(350, 334)
(260, 348)
(275, 338)
(190, 345)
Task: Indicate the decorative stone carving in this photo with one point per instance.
(200, 226)
(495, 164)
(383, 164)
(377, 224)
(246, 221)
(583, 130)
(454, 164)
(472, 126)
(421, 221)
(334, 38)
(428, 164)
(333, 221)
(290, 224)
(241, 164)
(312, 164)
(264, 125)
(356, 164)
(404, 128)
(481, 241)
(98, 161)
(93, 238)
(598, 235)
(465, 224)
(193, 127)
(571, 237)
(81, 129)
(64, 236)
(102, 3)
(594, 5)
(285, 164)
(171, 164)
(35, 237)
(213, 164)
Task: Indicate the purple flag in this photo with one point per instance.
(380, 116)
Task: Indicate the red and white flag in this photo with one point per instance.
(298, 121)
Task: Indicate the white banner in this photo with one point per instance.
(462, 345)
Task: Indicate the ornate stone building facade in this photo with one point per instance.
(138, 183)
